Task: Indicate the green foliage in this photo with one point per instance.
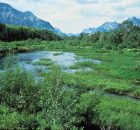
(87, 108)
(9, 119)
(70, 101)
(45, 62)
(127, 36)
(43, 105)
(9, 33)
(59, 104)
(115, 113)
(52, 104)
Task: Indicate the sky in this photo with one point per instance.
(72, 16)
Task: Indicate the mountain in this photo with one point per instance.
(134, 20)
(10, 15)
(106, 27)
(60, 33)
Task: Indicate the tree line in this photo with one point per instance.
(126, 36)
(11, 33)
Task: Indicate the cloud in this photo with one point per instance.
(75, 15)
(87, 1)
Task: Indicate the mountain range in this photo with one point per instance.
(108, 26)
(10, 15)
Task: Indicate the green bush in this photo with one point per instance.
(9, 119)
(42, 105)
(87, 108)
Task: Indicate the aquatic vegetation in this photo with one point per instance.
(44, 62)
(35, 103)
(106, 97)
(82, 65)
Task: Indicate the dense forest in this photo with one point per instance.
(12, 33)
(126, 36)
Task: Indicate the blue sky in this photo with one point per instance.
(72, 16)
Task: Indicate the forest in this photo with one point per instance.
(13, 33)
(126, 36)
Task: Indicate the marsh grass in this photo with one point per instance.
(115, 113)
(84, 64)
(118, 73)
(47, 105)
(44, 62)
(45, 59)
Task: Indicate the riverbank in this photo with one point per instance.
(4, 52)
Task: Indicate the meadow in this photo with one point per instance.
(105, 98)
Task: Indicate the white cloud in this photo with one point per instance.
(75, 15)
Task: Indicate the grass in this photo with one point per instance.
(82, 65)
(114, 112)
(117, 75)
(118, 72)
(45, 59)
(44, 62)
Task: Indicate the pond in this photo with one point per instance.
(31, 61)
